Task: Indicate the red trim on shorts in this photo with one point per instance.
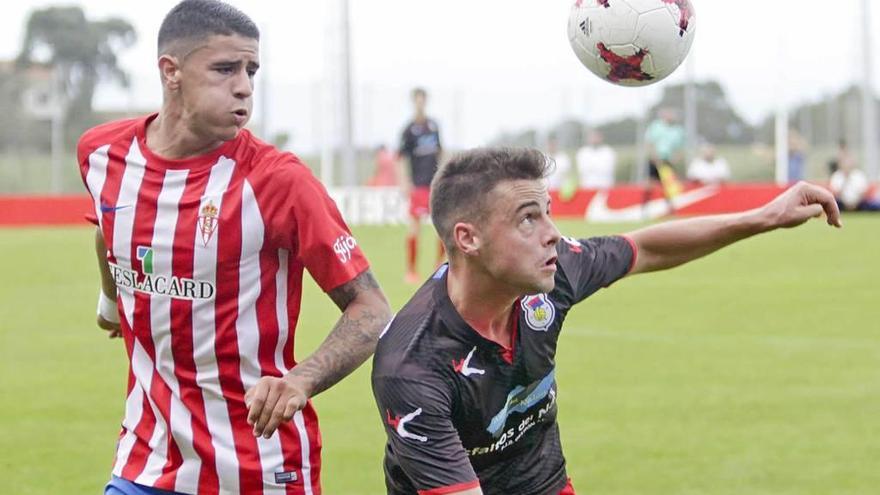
(635, 249)
(443, 490)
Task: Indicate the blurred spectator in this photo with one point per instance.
(596, 162)
(665, 139)
(709, 168)
(797, 155)
(850, 187)
(843, 155)
(386, 168)
(562, 172)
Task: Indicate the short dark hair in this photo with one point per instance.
(198, 19)
(461, 187)
(419, 91)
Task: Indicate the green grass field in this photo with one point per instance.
(754, 371)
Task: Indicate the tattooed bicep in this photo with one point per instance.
(343, 295)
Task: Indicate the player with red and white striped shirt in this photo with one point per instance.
(204, 232)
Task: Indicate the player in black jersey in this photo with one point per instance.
(420, 148)
(464, 375)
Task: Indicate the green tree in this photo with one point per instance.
(82, 51)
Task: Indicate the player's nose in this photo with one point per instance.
(553, 236)
(243, 85)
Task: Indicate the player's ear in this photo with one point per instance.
(169, 70)
(466, 237)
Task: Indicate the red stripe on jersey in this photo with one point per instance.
(182, 336)
(267, 319)
(294, 300)
(109, 195)
(140, 451)
(444, 490)
(144, 228)
(310, 418)
(226, 339)
(143, 221)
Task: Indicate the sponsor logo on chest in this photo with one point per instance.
(159, 284)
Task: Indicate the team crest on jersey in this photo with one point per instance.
(539, 311)
(208, 221)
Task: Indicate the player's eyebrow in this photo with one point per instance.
(528, 204)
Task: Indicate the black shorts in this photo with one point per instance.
(653, 170)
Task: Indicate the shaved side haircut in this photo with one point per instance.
(461, 188)
(191, 21)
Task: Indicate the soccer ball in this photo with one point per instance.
(631, 42)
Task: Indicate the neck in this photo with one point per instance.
(169, 136)
(421, 117)
(482, 302)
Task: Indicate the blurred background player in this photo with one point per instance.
(596, 162)
(420, 147)
(665, 141)
(560, 179)
(708, 168)
(797, 156)
(386, 168)
(204, 233)
(851, 187)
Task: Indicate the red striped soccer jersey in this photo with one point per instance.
(208, 256)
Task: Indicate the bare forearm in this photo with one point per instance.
(365, 313)
(674, 243)
(108, 286)
(352, 340)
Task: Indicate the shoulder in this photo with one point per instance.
(107, 134)
(410, 344)
(273, 167)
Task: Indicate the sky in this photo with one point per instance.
(490, 66)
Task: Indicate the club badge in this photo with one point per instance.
(539, 311)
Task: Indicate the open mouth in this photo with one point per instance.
(241, 113)
(551, 261)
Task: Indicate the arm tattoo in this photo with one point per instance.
(353, 338)
(343, 295)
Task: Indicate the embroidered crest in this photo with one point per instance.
(208, 221)
(539, 311)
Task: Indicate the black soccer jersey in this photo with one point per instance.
(461, 410)
(420, 143)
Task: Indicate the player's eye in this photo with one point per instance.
(225, 69)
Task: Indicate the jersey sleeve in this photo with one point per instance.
(595, 263)
(417, 415)
(321, 238)
(83, 149)
(406, 143)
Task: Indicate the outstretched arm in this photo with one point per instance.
(352, 340)
(674, 243)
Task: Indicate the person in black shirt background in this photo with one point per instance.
(420, 147)
(464, 376)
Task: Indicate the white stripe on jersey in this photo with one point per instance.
(123, 225)
(281, 309)
(305, 449)
(204, 337)
(173, 185)
(97, 175)
(142, 367)
(134, 409)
